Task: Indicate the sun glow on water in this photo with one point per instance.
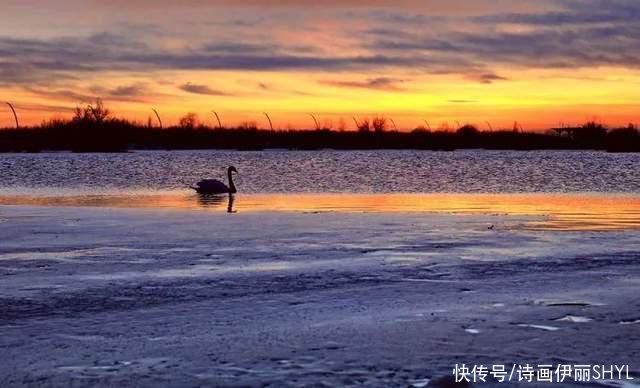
(547, 211)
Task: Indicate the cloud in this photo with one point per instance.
(487, 78)
(202, 89)
(380, 83)
(129, 93)
(573, 34)
(63, 94)
(250, 62)
(74, 56)
(134, 90)
(107, 40)
(575, 12)
(271, 89)
(240, 47)
(549, 48)
(35, 107)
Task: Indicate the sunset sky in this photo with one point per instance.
(541, 63)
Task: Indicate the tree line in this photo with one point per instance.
(93, 128)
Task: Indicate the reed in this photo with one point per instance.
(218, 118)
(269, 119)
(15, 115)
(395, 127)
(315, 121)
(489, 126)
(158, 117)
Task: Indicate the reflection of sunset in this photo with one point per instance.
(560, 211)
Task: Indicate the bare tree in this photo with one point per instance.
(98, 111)
(363, 125)
(188, 121)
(379, 124)
(95, 113)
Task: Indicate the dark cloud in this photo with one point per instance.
(34, 107)
(273, 89)
(576, 12)
(239, 47)
(549, 48)
(74, 56)
(130, 93)
(593, 33)
(202, 89)
(108, 40)
(266, 48)
(389, 32)
(380, 83)
(487, 78)
(63, 94)
(584, 33)
(134, 90)
(396, 18)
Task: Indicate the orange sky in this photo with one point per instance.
(476, 61)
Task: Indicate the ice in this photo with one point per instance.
(541, 327)
(420, 383)
(151, 298)
(574, 319)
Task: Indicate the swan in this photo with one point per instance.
(214, 186)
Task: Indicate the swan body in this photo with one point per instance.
(211, 186)
(214, 186)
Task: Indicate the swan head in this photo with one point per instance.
(232, 169)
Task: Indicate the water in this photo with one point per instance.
(198, 296)
(571, 190)
(325, 172)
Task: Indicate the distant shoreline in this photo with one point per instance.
(119, 136)
(95, 129)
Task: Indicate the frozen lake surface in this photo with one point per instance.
(186, 298)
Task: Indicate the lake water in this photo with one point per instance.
(338, 269)
(568, 190)
(325, 172)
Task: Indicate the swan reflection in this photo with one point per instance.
(232, 200)
(215, 200)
